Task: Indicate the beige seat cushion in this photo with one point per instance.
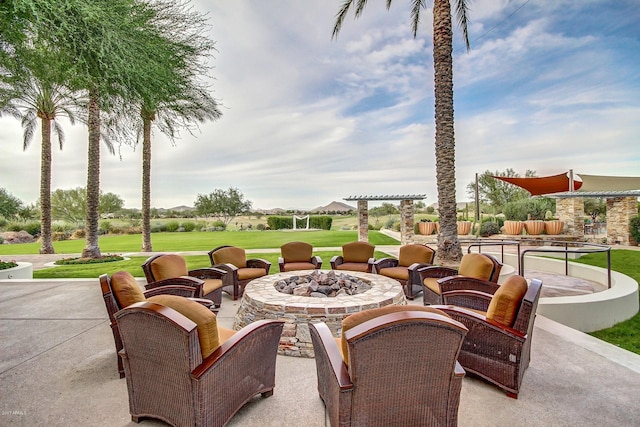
(357, 252)
(353, 266)
(296, 252)
(250, 273)
(432, 284)
(356, 319)
(200, 315)
(294, 266)
(125, 289)
(398, 273)
(211, 285)
(230, 255)
(410, 254)
(505, 303)
(477, 266)
(169, 266)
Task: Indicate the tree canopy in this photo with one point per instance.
(222, 204)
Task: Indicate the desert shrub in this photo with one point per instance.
(58, 236)
(31, 227)
(321, 222)
(216, 226)
(133, 230)
(104, 227)
(396, 226)
(188, 226)
(80, 233)
(489, 228)
(389, 224)
(521, 210)
(634, 226)
(3, 223)
(173, 226)
(261, 227)
(497, 219)
(1, 240)
(157, 228)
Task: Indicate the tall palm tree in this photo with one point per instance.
(449, 249)
(47, 102)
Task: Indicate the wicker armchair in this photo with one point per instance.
(498, 345)
(410, 258)
(165, 266)
(475, 265)
(298, 256)
(121, 290)
(240, 270)
(356, 256)
(372, 386)
(183, 369)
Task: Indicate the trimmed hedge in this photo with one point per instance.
(286, 222)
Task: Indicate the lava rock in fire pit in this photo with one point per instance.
(322, 285)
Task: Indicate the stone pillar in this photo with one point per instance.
(363, 221)
(570, 210)
(406, 222)
(620, 210)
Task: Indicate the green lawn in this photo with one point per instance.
(204, 241)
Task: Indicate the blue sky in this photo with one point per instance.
(547, 86)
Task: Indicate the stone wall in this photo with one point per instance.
(406, 222)
(620, 210)
(570, 210)
(363, 221)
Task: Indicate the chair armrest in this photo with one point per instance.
(186, 281)
(418, 265)
(179, 290)
(207, 303)
(259, 263)
(335, 261)
(254, 342)
(436, 271)
(480, 323)
(385, 263)
(333, 356)
(458, 282)
(207, 273)
(317, 261)
(465, 298)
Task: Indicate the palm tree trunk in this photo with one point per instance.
(91, 249)
(46, 245)
(449, 249)
(146, 184)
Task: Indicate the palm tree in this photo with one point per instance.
(449, 249)
(47, 102)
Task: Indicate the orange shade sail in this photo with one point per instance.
(542, 185)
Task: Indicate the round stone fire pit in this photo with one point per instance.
(261, 300)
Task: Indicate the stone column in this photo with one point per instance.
(570, 210)
(363, 221)
(620, 210)
(406, 222)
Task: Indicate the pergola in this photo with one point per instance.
(621, 193)
(406, 214)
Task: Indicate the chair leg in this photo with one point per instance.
(267, 393)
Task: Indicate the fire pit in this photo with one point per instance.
(261, 300)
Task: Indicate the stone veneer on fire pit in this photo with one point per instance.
(261, 300)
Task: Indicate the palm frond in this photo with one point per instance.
(57, 129)
(415, 15)
(342, 13)
(462, 9)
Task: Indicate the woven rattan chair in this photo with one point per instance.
(240, 270)
(356, 256)
(474, 265)
(410, 259)
(121, 290)
(185, 370)
(368, 384)
(165, 266)
(298, 256)
(498, 345)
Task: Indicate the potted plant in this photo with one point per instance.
(553, 226)
(426, 226)
(513, 227)
(534, 226)
(464, 227)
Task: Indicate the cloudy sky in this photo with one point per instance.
(549, 85)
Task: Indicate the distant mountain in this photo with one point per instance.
(334, 207)
(182, 208)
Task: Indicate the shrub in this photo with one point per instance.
(173, 226)
(321, 222)
(188, 226)
(634, 226)
(58, 236)
(157, 228)
(1, 240)
(31, 227)
(3, 222)
(489, 228)
(104, 227)
(521, 210)
(261, 227)
(80, 233)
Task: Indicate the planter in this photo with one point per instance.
(464, 227)
(513, 227)
(553, 227)
(426, 228)
(24, 270)
(437, 227)
(534, 227)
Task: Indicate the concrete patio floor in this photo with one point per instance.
(58, 368)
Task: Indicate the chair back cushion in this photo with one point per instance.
(357, 251)
(477, 266)
(505, 303)
(296, 252)
(410, 254)
(169, 266)
(356, 319)
(230, 255)
(198, 314)
(126, 289)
